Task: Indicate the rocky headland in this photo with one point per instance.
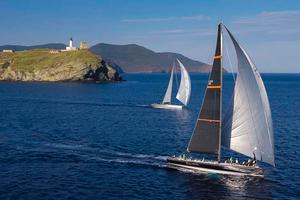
(54, 65)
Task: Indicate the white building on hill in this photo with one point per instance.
(71, 47)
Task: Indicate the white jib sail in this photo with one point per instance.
(184, 91)
(167, 98)
(247, 127)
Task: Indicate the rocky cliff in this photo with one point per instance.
(50, 65)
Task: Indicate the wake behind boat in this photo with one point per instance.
(246, 128)
(183, 94)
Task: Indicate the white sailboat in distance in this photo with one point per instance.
(246, 128)
(183, 94)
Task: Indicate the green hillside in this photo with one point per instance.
(41, 64)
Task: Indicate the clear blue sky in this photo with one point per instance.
(268, 30)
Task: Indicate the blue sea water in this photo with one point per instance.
(103, 141)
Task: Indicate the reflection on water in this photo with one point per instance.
(226, 187)
(183, 119)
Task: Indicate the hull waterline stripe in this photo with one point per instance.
(167, 106)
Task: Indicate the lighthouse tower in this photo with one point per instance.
(71, 43)
(71, 47)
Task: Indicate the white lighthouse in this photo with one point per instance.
(71, 43)
(71, 47)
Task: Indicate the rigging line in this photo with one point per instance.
(230, 63)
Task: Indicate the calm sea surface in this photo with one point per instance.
(102, 141)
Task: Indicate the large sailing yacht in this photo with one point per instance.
(246, 127)
(183, 94)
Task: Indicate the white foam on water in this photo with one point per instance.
(129, 161)
(64, 146)
(113, 156)
(131, 155)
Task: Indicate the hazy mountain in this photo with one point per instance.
(135, 58)
(42, 46)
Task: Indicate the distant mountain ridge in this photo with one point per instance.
(42, 46)
(135, 58)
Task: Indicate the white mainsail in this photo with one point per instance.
(247, 127)
(167, 98)
(184, 91)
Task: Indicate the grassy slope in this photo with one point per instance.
(28, 61)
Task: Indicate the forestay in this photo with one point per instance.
(247, 126)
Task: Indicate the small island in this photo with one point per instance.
(55, 65)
